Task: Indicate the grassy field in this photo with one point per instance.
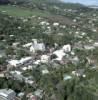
(21, 12)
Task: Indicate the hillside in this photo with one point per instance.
(41, 7)
(48, 50)
(4, 1)
(21, 12)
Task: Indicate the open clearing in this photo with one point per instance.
(21, 12)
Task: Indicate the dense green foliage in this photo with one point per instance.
(21, 23)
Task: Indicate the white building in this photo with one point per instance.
(96, 44)
(60, 54)
(45, 71)
(67, 48)
(37, 46)
(7, 94)
(37, 62)
(15, 63)
(44, 58)
(27, 45)
(29, 80)
(55, 24)
(26, 59)
(67, 77)
(87, 47)
(16, 75)
(44, 23)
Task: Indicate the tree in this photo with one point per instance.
(2, 61)
(9, 51)
(4, 1)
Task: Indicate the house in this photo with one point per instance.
(27, 45)
(29, 80)
(45, 71)
(83, 34)
(24, 68)
(37, 46)
(7, 94)
(30, 96)
(44, 23)
(2, 75)
(25, 20)
(67, 48)
(1, 56)
(75, 60)
(79, 72)
(55, 24)
(39, 93)
(67, 77)
(59, 54)
(95, 44)
(37, 62)
(60, 34)
(78, 45)
(16, 75)
(25, 60)
(40, 46)
(29, 67)
(14, 63)
(21, 94)
(19, 27)
(32, 49)
(89, 47)
(94, 30)
(72, 53)
(44, 59)
(11, 35)
(15, 44)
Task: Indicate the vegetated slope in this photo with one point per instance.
(52, 9)
(41, 3)
(32, 1)
(17, 11)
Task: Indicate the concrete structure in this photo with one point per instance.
(67, 48)
(7, 94)
(67, 77)
(15, 63)
(96, 44)
(37, 46)
(60, 54)
(44, 58)
(27, 45)
(45, 71)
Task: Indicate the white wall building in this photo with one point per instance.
(7, 94)
(60, 54)
(44, 58)
(37, 46)
(67, 48)
(15, 63)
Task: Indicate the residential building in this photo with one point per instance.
(7, 94)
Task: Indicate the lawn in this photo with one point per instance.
(21, 12)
